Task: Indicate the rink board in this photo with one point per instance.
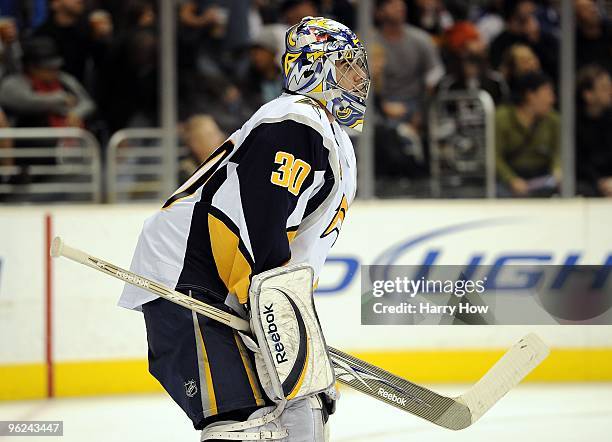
(98, 348)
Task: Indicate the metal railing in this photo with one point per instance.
(462, 144)
(135, 166)
(50, 165)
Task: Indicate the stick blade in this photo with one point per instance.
(57, 245)
(398, 392)
(509, 371)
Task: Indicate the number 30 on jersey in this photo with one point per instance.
(291, 172)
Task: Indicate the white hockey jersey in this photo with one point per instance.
(276, 191)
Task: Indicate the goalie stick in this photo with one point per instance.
(454, 413)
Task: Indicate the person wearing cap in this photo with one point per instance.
(468, 68)
(43, 95)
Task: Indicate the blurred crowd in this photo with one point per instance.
(95, 64)
(510, 49)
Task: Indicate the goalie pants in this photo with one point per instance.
(202, 364)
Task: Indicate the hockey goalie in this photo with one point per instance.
(249, 233)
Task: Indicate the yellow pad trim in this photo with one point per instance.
(300, 381)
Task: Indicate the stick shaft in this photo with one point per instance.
(209, 311)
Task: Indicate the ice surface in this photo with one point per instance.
(530, 413)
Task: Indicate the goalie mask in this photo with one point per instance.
(326, 61)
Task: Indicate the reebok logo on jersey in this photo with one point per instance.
(392, 396)
(279, 349)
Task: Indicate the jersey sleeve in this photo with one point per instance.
(270, 179)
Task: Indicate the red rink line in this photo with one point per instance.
(48, 305)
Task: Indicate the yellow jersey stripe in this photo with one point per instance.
(233, 268)
(210, 389)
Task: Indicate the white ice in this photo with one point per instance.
(530, 413)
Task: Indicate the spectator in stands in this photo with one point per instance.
(116, 9)
(522, 27)
(132, 73)
(549, 17)
(28, 14)
(412, 63)
(5, 143)
(491, 22)
(140, 14)
(263, 80)
(6, 176)
(519, 60)
(101, 25)
(430, 16)
(43, 95)
(10, 48)
(222, 99)
(291, 12)
(202, 136)
(411, 69)
(527, 140)
(339, 10)
(77, 39)
(467, 62)
(594, 131)
(593, 36)
(208, 61)
(202, 28)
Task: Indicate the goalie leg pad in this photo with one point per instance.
(291, 355)
(297, 421)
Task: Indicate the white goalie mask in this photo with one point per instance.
(326, 61)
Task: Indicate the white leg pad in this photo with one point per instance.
(300, 421)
